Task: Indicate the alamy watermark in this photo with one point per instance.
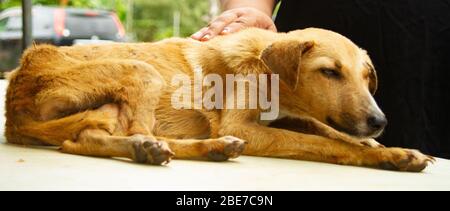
(239, 91)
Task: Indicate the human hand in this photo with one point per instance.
(234, 20)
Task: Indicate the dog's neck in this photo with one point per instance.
(243, 49)
(236, 54)
(231, 54)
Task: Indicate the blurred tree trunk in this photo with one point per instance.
(27, 27)
(130, 16)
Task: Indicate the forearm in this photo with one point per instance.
(315, 127)
(272, 142)
(265, 6)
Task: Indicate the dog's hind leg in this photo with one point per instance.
(139, 148)
(151, 150)
(148, 149)
(99, 133)
(102, 133)
(215, 149)
(134, 85)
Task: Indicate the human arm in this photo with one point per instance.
(238, 15)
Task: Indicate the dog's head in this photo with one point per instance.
(328, 78)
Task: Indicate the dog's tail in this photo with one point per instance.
(53, 132)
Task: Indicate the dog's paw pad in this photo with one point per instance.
(217, 156)
(235, 147)
(232, 148)
(148, 150)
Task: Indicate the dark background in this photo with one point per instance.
(409, 43)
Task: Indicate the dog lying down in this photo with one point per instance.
(125, 100)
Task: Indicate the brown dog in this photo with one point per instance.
(115, 101)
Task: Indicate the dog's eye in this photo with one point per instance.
(331, 73)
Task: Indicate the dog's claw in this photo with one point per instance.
(405, 160)
(431, 159)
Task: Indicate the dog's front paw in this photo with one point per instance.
(149, 150)
(229, 147)
(405, 160)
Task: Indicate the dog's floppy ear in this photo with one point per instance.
(284, 57)
(373, 79)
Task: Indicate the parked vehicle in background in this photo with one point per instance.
(57, 26)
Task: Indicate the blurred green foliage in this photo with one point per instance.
(76, 3)
(152, 19)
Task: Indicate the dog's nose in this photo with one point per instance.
(377, 123)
